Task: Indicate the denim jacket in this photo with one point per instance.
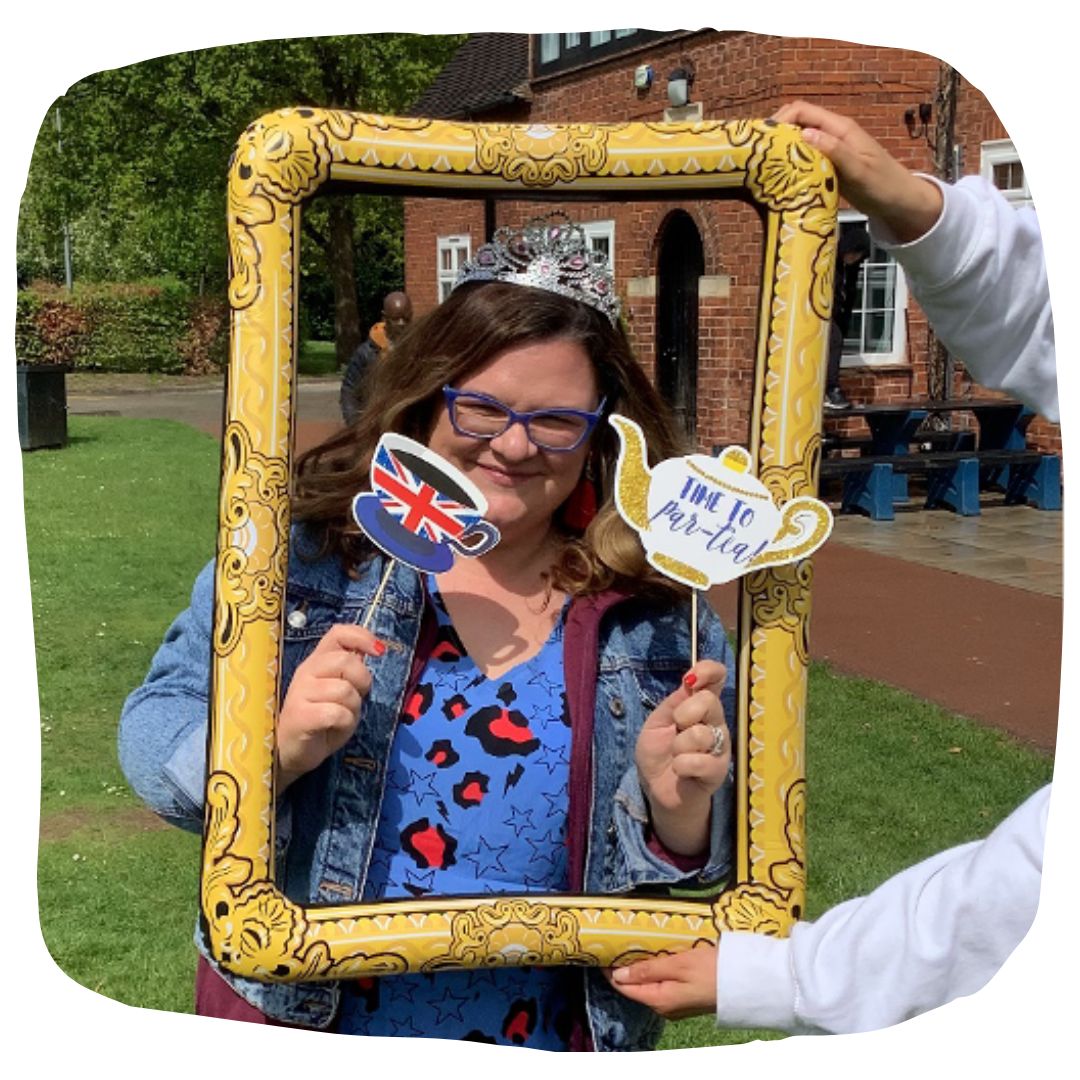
(623, 654)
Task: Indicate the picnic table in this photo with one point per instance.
(958, 464)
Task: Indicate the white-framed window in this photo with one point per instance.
(601, 237)
(877, 333)
(1001, 165)
(552, 53)
(452, 253)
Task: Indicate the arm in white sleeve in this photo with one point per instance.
(937, 931)
(980, 276)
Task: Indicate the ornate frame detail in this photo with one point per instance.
(282, 160)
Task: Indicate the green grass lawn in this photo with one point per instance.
(118, 524)
(317, 358)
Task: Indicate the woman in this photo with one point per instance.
(533, 724)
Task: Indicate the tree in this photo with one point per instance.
(141, 176)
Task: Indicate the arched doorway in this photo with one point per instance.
(680, 264)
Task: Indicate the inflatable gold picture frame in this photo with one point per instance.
(281, 161)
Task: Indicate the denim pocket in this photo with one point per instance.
(308, 617)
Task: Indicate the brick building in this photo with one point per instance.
(688, 270)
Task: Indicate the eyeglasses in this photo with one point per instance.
(479, 416)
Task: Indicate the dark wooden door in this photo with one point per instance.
(681, 263)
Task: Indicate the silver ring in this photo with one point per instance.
(719, 740)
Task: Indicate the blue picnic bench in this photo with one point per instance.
(957, 464)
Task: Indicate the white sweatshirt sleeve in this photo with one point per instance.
(937, 931)
(942, 928)
(980, 276)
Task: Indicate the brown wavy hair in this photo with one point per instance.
(404, 391)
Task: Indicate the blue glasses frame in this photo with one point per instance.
(523, 419)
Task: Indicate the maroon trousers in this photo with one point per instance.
(215, 997)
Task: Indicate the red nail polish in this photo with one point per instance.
(379, 647)
(690, 681)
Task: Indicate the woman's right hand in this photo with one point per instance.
(322, 706)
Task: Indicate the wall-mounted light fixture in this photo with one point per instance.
(918, 121)
(643, 77)
(678, 85)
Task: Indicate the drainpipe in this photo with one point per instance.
(947, 167)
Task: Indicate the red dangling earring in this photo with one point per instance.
(580, 508)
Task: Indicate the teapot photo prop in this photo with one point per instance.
(707, 520)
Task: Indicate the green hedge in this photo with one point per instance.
(108, 327)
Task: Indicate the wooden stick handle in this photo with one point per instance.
(378, 593)
(693, 626)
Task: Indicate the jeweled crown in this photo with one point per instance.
(549, 252)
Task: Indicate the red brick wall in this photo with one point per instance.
(737, 74)
(425, 221)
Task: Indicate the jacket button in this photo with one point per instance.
(618, 709)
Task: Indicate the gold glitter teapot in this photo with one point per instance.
(706, 520)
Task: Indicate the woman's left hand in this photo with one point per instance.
(677, 759)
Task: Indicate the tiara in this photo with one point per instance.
(549, 252)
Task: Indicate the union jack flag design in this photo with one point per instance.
(414, 503)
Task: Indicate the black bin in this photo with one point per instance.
(42, 405)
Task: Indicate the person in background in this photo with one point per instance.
(852, 251)
(397, 314)
(942, 928)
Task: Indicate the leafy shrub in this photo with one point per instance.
(203, 346)
(63, 330)
(158, 327)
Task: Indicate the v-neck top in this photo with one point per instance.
(475, 802)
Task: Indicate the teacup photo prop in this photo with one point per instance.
(421, 510)
(707, 520)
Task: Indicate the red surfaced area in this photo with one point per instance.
(431, 846)
(502, 727)
(518, 1027)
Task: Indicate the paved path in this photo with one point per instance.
(199, 402)
(964, 612)
(984, 650)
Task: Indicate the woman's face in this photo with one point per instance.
(523, 484)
